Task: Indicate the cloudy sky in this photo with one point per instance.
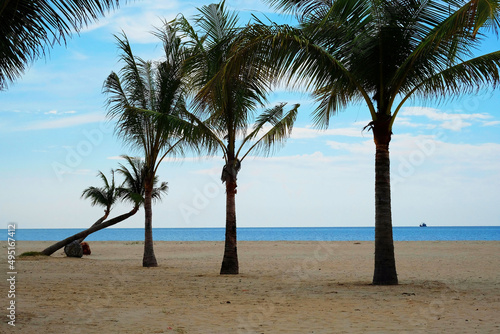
(55, 138)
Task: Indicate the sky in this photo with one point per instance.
(55, 137)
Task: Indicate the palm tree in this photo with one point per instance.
(105, 196)
(29, 28)
(229, 98)
(147, 99)
(382, 53)
(131, 190)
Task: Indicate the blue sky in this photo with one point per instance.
(445, 158)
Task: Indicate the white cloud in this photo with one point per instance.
(55, 112)
(492, 123)
(408, 122)
(307, 133)
(450, 121)
(202, 158)
(115, 158)
(76, 172)
(168, 159)
(413, 157)
(250, 5)
(436, 114)
(351, 164)
(137, 31)
(365, 147)
(132, 11)
(78, 55)
(216, 170)
(302, 158)
(66, 122)
(138, 19)
(455, 125)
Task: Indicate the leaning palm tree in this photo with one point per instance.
(227, 100)
(29, 28)
(382, 53)
(130, 191)
(147, 100)
(105, 196)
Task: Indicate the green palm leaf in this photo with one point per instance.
(132, 190)
(105, 196)
(280, 129)
(29, 28)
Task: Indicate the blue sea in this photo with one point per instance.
(270, 234)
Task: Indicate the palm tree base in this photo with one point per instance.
(392, 282)
(149, 262)
(229, 267)
(385, 277)
(149, 265)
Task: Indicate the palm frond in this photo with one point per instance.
(281, 129)
(133, 73)
(96, 195)
(29, 28)
(448, 34)
(135, 174)
(132, 189)
(300, 7)
(464, 78)
(105, 196)
(292, 54)
(159, 191)
(217, 23)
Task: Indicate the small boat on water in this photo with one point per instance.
(423, 225)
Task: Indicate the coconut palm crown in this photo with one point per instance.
(132, 189)
(105, 196)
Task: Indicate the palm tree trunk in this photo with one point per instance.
(385, 263)
(230, 260)
(149, 258)
(94, 228)
(99, 221)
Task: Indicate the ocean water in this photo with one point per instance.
(269, 234)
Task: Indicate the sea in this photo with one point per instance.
(429, 233)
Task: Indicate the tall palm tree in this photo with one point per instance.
(227, 99)
(147, 100)
(382, 53)
(131, 190)
(29, 28)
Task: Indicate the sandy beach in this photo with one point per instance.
(284, 287)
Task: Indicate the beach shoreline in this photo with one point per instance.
(283, 287)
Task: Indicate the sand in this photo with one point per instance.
(284, 287)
